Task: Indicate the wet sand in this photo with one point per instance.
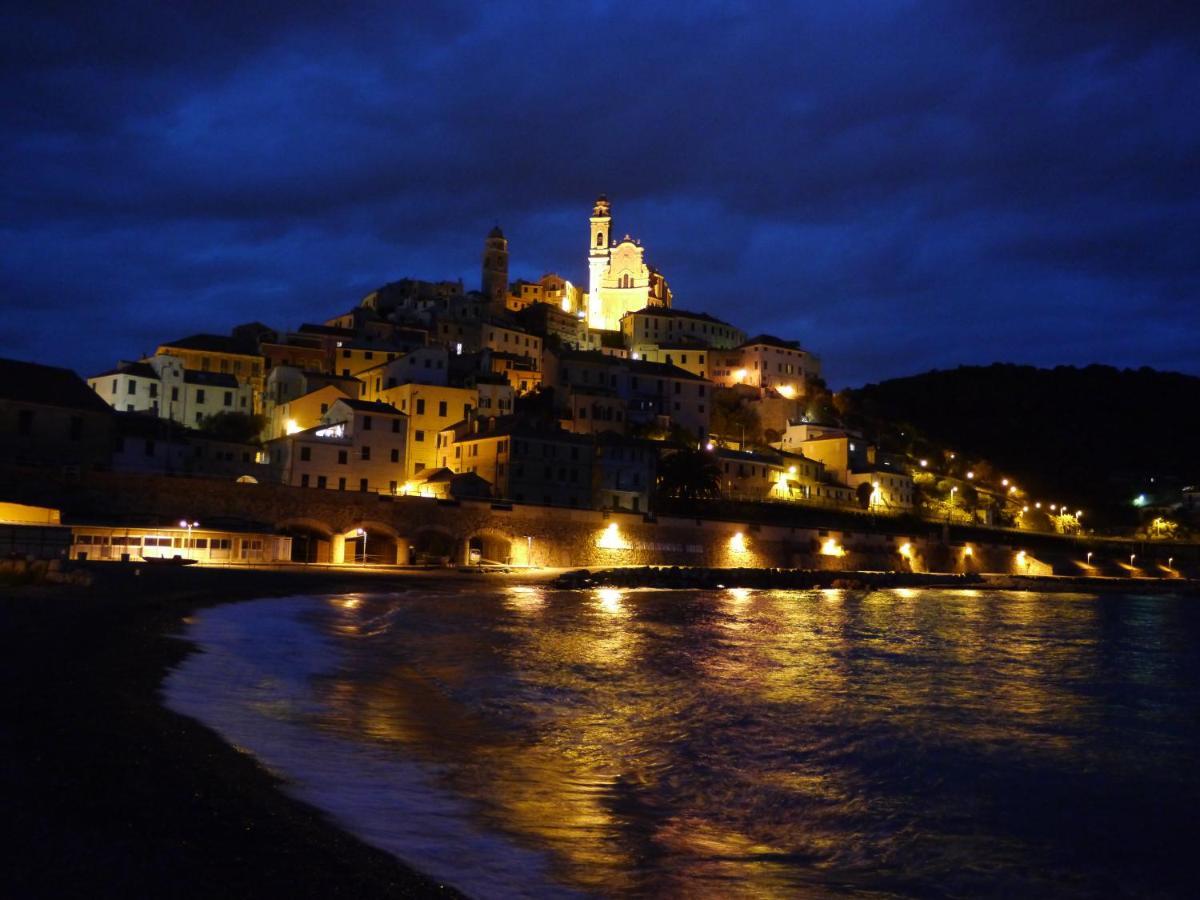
(107, 793)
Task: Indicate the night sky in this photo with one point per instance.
(899, 186)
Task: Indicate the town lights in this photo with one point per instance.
(362, 533)
(787, 391)
(708, 446)
(740, 375)
(968, 550)
(737, 543)
(1012, 489)
(791, 470)
(832, 548)
(970, 476)
(906, 550)
(924, 463)
(1004, 482)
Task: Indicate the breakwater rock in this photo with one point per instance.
(715, 579)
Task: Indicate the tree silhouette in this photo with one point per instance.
(689, 475)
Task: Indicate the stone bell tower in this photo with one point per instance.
(495, 267)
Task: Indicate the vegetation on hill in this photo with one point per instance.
(1095, 436)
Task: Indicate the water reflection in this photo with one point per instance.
(769, 743)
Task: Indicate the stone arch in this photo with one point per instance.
(490, 546)
(312, 539)
(380, 545)
(432, 545)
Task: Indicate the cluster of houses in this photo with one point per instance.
(510, 392)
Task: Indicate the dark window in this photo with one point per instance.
(366, 425)
(419, 435)
(420, 407)
(175, 394)
(229, 398)
(395, 426)
(321, 481)
(341, 457)
(442, 408)
(131, 387)
(395, 456)
(153, 389)
(199, 396)
(341, 484)
(306, 453)
(362, 484)
(366, 452)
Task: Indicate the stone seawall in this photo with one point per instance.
(416, 529)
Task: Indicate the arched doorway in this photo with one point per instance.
(489, 548)
(372, 543)
(310, 540)
(432, 546)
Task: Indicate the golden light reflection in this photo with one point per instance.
(611, 600)
(524, 599)
(600, 724)
(737, 543)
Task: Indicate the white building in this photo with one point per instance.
(162, 387)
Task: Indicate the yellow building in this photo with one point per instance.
(430, 408)
(619, 281)
(302, 413)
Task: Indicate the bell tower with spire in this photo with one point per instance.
(598, 255)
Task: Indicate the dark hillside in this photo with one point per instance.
(1096, 435)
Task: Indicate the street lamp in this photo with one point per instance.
(1089, 557)
(184, 523)
(529, 550)
(1132, 557)
(362, 533)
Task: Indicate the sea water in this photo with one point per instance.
(526, 742)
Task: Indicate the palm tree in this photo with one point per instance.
(689, 475)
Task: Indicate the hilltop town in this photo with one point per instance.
(543, 392)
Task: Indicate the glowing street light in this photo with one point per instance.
(184, 523)
(1004, 482)
(970, 475)
(1132, 557)
(362, 533)
(924, 463)
(1089, 557)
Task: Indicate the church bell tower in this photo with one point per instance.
(495, 267)
(601, 240)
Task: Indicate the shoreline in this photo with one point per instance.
(111, 793)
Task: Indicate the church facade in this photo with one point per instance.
(619, 280)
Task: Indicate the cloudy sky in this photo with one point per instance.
(898, 185)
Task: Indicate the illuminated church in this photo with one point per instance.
(619, 281)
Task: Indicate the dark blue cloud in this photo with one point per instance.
(899, 185)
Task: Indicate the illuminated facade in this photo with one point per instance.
(619, 281)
